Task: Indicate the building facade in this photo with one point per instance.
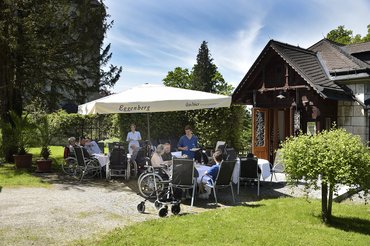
(296, 90)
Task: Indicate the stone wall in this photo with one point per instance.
(352, 116)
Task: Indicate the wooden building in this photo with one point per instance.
(293, 89)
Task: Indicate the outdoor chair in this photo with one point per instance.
(231, 154)
(183, 176)
(70, 162)
(223, 179)
(278, 166)
(113, 145)
(85, 167)
(101, 146)
(118, 165)
(220, 145)
(249, 171)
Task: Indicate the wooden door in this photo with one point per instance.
(260, 133)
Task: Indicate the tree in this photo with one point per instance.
(52, 51)
(331, 157)
(179, 77)
(205, 76)
(209, 124)
(344, 36)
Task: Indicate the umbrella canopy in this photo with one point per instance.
(149, 98)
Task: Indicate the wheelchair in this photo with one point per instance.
(151, 181)
(154, 184)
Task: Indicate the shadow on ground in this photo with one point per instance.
(351, 224)
(247, 194)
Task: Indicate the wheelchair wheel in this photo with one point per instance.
(78, 172)
(157, 204)
(147, 185)
(163, 211)
(141, 207)
(175, 209)
(69, 165)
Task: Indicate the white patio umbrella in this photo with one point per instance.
(149, 98)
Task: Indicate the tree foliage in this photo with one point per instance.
(331, 157)
(54, 51)
(345, 36)
(210, 125)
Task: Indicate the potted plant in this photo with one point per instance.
(19, 127)
(45, 137)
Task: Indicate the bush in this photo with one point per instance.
(330, 157)
(210, 125)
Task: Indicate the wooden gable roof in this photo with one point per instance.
(305, 62)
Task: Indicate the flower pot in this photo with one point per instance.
(43, 166)
(23, 161)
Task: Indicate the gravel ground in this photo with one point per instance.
(71, 211)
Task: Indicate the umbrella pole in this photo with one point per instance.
(148, 125)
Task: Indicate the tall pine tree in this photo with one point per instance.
(204, 70)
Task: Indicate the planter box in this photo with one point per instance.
(43, 166)
(23, 161)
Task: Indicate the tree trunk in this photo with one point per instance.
(324, 201)
(330, 203)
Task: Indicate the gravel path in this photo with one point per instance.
(69, 210)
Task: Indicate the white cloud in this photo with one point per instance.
(150, 38)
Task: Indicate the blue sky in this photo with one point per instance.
(149, 38)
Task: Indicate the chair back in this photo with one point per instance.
(249, 168)
(118, 159)
(225, 173)
(101, 146)
(114, 145)
(231, 154)
(67, 152)
(79, 155)
(182, 172)
(220, 144)
(278, 165)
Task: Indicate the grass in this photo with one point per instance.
(285, 221)
(11, 177)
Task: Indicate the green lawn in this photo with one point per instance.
(11, 177)
(286, 221)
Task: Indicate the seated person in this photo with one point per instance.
(68, 150)
(92, 147)
(167, 156)
(250, 155)
(157, 160)
(134, 151)
(205, 190)
(84, 149)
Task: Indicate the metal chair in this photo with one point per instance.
(85, 167)
(183, 176)
(223, 179)
(249, 171)
(231, 154)
(278, 166)
(101, 146)
(118, 165)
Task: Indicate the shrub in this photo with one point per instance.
(330, 157)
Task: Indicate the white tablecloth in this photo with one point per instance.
(201, 170)
(263, 164)
(103, 159)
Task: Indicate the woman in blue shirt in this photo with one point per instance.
(188, 142)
